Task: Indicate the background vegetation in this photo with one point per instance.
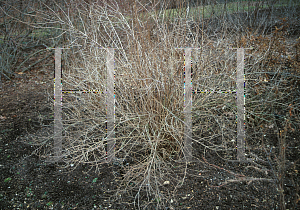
(149, 78)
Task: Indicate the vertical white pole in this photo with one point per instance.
(57, 107)
(110, 103)
(188, 107)
(240, 105)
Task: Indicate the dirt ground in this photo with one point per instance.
(26, 182)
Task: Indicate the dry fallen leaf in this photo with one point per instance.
(2, 117)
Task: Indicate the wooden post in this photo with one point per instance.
(187, 106)
(240, 102)
(110, 105)
(57, 149)
(188, 148)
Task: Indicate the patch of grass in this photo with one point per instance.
(7, 179)
(218, 9)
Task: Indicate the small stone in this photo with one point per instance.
(166, 182)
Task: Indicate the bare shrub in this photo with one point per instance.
(149, 94)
